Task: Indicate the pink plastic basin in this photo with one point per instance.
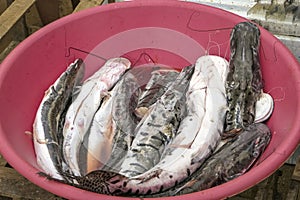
(171, 33)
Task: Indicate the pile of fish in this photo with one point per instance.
(123, 132)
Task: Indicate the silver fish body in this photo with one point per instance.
(244, 80)
(158, 128)
(82, 110)
(99, 139)
(47, 127)
(123, 119)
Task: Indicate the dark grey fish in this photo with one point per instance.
(230, 161)
(244, 80)
(157, 85)
(124, 120)
(158, 128)
(48, 125)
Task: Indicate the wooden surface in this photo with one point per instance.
(12, 15)
(84, 4)
(282, 184)
(296, 173)
(32, 20)
(279, 186)
(15, 186)
(8, 49)
(3, 6)
(21, 18)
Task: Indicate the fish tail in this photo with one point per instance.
(102, 182)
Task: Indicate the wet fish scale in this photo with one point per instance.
(124, 120)
(165, 114)
(235, 157)
(98, 141)
(47, 127)
(244, 80)
(156, 86)
(82, 110)
(197, 135)
(125, 102)
(230, 161)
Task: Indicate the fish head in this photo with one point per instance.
(244, 81)
(246, 149)
(244, 44)
(244, 35)
(262, 139)
(254, 138)
(114, 68)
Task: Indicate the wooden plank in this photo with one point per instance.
(265, 189)
(296, 173)
(13, 14)
(3, 6)
(33, 20)
(48, 10)
(16, 186)
(17, 33)
(84, 4)
(294, 190)
(2, 161)
(65, 7)
(279, 27)
(6, 51)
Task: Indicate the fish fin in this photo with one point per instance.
(103, 182)
(153, 174)
(49, 177)
(28, 133)
(76, 91)
(144, 118)
(44, 141)
(189, 184)
(183, 146)
(230, 134)
(141, 112)
(43, 174)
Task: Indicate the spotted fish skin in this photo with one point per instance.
(232, 160)
(123, 119)
(157, 85)
(244, 80)
(198, 133)
(158, 128)
(47, 127)
(113, 126)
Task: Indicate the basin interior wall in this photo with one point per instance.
(168, 33)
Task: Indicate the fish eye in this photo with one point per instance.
(255, 154)
(232, 83)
